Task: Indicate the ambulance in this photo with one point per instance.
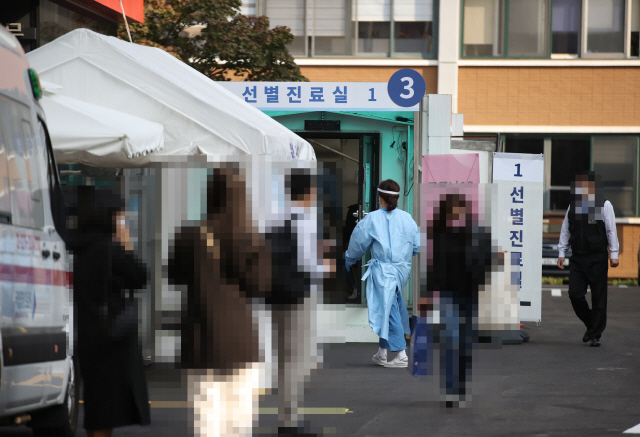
(38, 376)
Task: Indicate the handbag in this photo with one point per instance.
(421, 347)
(123, 323)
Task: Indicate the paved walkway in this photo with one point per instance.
(555, 385)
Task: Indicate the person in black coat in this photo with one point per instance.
(463, 255)
(110, 360)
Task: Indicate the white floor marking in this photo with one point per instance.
(556, 292)
(623, 286)
(634, 430)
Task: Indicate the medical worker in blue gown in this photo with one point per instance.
(393, 237)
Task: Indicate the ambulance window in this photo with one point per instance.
(56, 199)
(33, 175)
(26, 206)
(50, 164)
(5, 196)
(21, 194)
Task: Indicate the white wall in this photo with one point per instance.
(448, 50)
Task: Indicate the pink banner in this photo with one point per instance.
(454, 169)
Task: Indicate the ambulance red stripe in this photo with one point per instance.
(34, 275)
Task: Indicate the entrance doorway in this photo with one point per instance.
(357, 157)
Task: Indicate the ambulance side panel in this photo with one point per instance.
(34, 310)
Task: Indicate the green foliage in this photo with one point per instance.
(553, 280)
(628, 282)
(228, 44)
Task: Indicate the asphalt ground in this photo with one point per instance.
(554, 385)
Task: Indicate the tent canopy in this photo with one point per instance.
(198, 115)
(90, 134)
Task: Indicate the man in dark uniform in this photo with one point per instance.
(589, 228)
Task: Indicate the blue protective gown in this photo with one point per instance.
(393, 238)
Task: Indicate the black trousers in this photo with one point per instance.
(592, 270)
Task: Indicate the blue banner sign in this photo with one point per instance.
(325, 96)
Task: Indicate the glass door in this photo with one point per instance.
(368, 179)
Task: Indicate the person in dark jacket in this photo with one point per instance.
(111, 366)
(589, 229)
(462, 257)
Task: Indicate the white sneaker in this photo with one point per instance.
(398, 362)
(380, 360)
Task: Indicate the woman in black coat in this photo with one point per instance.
(115, 390)
(463, 257)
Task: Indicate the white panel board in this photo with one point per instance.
(518, 217)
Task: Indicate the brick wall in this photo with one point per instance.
(628, 236)
(361, 74)
(366, 74)
(553, 96)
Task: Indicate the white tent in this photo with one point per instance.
(85, 133)
(199, 116)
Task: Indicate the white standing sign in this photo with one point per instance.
(321, 96)
(519, 178)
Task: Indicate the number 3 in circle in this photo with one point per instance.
(408, 87)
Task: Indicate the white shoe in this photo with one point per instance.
(380, 360)
(398, 362)
(354, 294)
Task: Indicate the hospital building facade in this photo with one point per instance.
(559, 77)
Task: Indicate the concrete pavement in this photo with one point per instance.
(555, 385)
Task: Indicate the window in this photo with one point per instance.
(56, 201)
(373, 18)
(248, 8)
(367, 28)
(528, 34)
(483, 28)
(605, 26)
(614, 159)
(540, 28)
(289, 13)
(566, 22)
(52, 173)
(328, 21)
(634, 37)
(524, 32)
(22, 171)
(56, 20)
(31, 206)
(518, 144)
(413, 26)
(5, 196)
(569, 156)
